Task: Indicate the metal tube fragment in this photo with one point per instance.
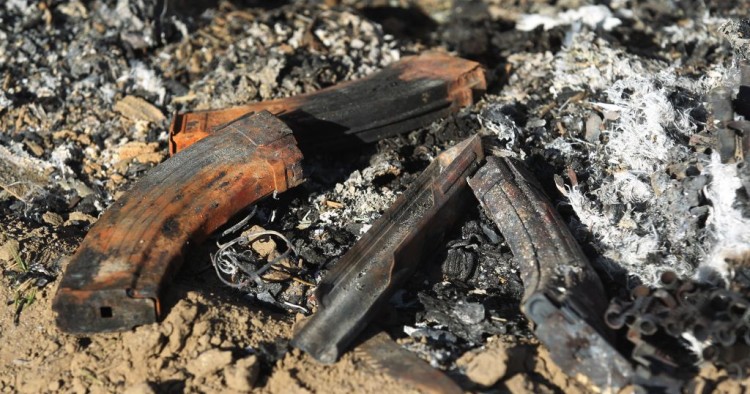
(363, 280)
(563, 295)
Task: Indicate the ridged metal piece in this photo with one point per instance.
(563, 295)
(116, 278)
(363, 280)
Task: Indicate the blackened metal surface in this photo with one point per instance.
(353, 292)
(563, 295)
(404, 96)
(387, 356)
(115, 279)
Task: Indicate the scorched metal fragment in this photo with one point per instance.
(358, 286)
(563, 295)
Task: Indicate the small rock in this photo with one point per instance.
(520, 383)
(136, 108)
(79, 217)
(142, 152)
(9, 250)
(140, 388)
(37, 150)
(257, 323)
(242, 375)
(593, 128)
(52, 218)
(209, 362)
(489, 366)
(54, 385)
(70, 347)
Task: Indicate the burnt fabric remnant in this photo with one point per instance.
(563, 295)
(362, 281)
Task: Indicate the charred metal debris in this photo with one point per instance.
(513, 255)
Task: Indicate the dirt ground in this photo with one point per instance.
(87, 92)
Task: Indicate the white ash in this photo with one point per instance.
(731, 31)
(143, 77)
(592, 16)
(344, 46)
(628, 221)
(61, 156)
(501, 124)
(362, 202)
(590, 63)
(634, 211)
(728, 229)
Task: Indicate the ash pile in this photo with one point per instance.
(629, 117)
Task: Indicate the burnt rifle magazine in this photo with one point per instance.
(228, 160)
(409, 94)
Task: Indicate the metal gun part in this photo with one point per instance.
(363, 280)
(115, 279)
(563, 295)
(404, 96)
(385, 355)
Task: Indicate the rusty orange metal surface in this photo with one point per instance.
(115, 279)
(404, 96)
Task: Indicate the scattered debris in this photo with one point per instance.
(569, 100)
(681, 315)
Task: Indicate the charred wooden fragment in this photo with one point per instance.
(115, 279)
(363, 280)
(404, 96)
(563, 295)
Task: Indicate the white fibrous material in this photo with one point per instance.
(592, 16)
(589, 63)
(729, 231)
(626, 206)
(638, 140)
(145, 78)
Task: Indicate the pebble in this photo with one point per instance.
(52, 218)
(54, 385)
(242, 375)
(136, 108)
(489, 366)
(140, 388)
(593, 128)
(9, 250)
(209, 362)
